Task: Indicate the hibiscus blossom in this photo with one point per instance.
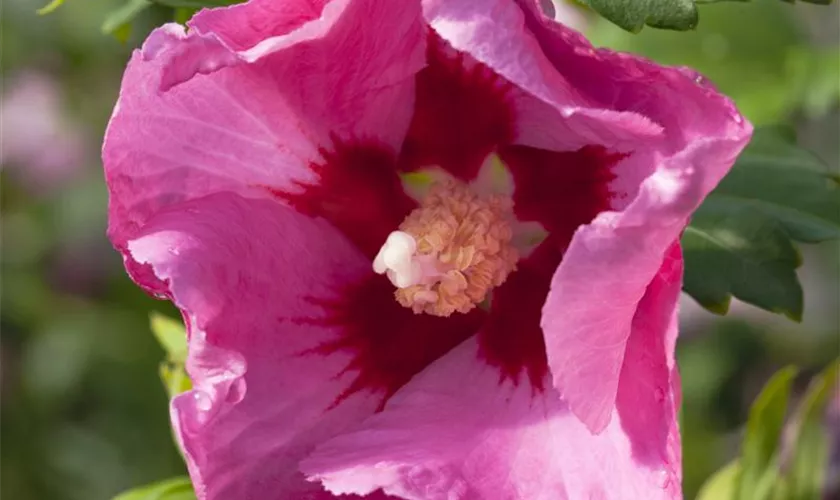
(426, 250)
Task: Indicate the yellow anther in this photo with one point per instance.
(451, 251)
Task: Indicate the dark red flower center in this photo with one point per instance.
(462, 115)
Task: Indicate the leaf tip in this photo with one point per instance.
(50, 7)
(720, 308)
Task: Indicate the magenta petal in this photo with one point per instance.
(456, 432)
(263, 119)
(244, 25)
(608, 266)
(679, 136)
(552, 112)
(649, 386)
(354, 56)
(676, 137)
(205, 136)
(243, 271)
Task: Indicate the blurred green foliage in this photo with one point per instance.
(633, 15)
(172, 338)
(84, 414)
(759, 53)
(171, 489)
(679, 15)
(740, 242)
(756, 471)
(779, 460)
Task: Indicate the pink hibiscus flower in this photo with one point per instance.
(507, 333)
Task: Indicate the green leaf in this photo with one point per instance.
(787, 183)
(118, 22)
(122, 32)
(183, 14)
(820, 2)
(50, 7)
(740, 241)
(178, 488)
(721, 486)
(174, 377)
(196, 4)
(679, 15)
(633, 15)
(171, 335)
(807, 464)
(812, 73)
(731, 250)
(759, 468)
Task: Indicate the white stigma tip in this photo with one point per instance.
(395, 259)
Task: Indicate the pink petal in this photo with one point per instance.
(649, 387)
(283, 349)
(479, 439)
(677, 136)
(242, 26)
(243, 272)
(609, 264)
(551, 110)
(267, 117)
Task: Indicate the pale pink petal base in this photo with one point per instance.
(246, 272)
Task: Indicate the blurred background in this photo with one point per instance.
(83, 413)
